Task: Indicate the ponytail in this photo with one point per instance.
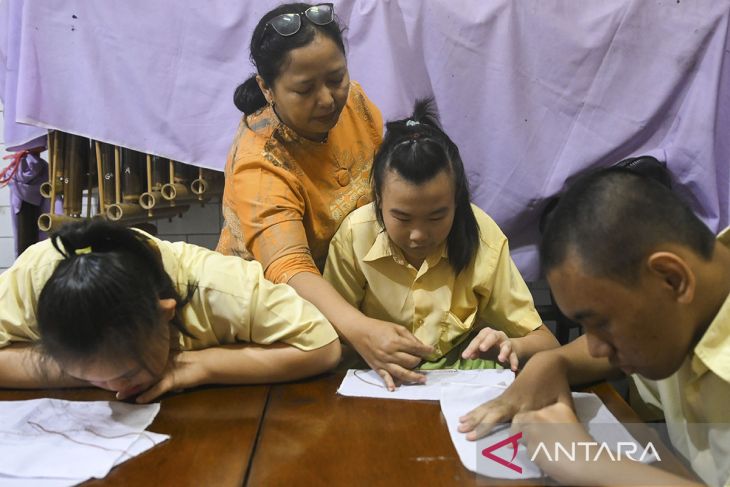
(103, 297)
(418, 149)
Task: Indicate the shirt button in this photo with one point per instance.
(420, 321)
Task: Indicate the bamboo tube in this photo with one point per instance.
(156, 173)
(117, 176)
(128, 212)
(175, 189)
(108, 179)
(199, 185)
(48, 222)
(91, 179)
(132, 175)
(100, 177)
(49, 189)
(76, 157)
(118, 211)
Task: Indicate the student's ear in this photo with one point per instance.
(675, 274)
(265, 89)
(167, 307)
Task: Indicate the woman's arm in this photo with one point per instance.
(242, 363)
(21, 367)
(388, 348)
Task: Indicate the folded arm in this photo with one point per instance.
(23, 367)
(242, 363)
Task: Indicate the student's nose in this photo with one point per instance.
(597, 347)
(418, 235)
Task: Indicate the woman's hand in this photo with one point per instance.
(488, 338)
(390, 350)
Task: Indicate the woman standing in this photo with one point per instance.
(300, 163)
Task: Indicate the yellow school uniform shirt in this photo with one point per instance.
(438, 307)
(695, 399)
(233, 301)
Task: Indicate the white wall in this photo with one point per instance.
(7, 245)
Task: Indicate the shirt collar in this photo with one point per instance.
(383, 247)
(713, 349)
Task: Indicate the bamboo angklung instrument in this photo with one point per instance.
(70, 157)
(127, 169)
(175, 189)
(152, 198)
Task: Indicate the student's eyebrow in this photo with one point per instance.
(440, 210)
(396, 211)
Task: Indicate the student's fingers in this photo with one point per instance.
(405, 360)
(408, 343)
(514, 361)
(472, 350)
(505, 349)
(485, 339)
(406, 376)
(481, 420)
(164, 385)
(387, 379)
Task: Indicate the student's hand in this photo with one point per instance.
(488, 338)
(549, 426)
(391, 350)
(183, 371)
(542, 382)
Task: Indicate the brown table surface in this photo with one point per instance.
(213, 433)
(312, 436)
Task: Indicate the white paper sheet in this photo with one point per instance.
(67, 441)
(367, 383)
(457, 400)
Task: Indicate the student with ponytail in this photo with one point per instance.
(100, 304)
(423, 256)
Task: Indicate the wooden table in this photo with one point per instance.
(303, 434)
(213, 434)
(311, 436)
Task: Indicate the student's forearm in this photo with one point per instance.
(536, 341)
(606, 472)
(315, 289)
(254, 364)
(574, 361)
(21, 368)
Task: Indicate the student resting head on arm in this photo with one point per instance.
(650, 285)
(113, 307)
(423, 256)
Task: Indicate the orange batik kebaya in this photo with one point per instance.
(287, 195)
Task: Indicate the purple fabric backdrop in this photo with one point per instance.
(532, 91)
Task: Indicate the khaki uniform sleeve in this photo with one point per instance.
(20, 287)
(235, 303)
(342, 270)
(506, 302)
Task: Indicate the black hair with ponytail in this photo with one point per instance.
(269, 52)
(417, 149)
(102, 300)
